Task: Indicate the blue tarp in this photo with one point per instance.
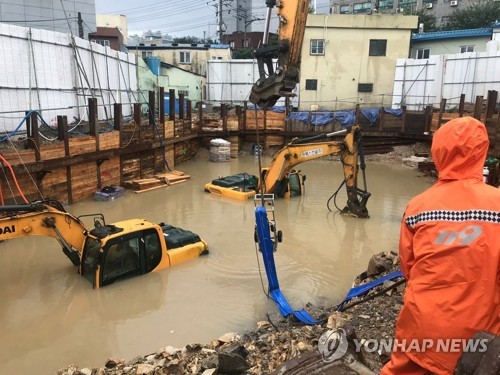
(276, 108)
(371, 114)
(346, 118)
(395, 112)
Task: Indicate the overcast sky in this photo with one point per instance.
(175, 17)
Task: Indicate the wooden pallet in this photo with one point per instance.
(158, 181)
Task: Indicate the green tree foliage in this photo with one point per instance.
(186, 40)
(243, 53)
(476, 15)
(424, 17)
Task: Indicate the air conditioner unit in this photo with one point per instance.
(453, 3)
(428, 5)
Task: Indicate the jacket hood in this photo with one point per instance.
(459, 149)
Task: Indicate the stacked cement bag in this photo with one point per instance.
(220, 150)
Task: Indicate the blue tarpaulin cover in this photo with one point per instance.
(346, 118)
(395, 112)
(276, 108)
(371, 114)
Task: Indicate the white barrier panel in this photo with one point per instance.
(56, 74)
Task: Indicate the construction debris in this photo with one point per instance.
(283, 346)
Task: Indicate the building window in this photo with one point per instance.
(365, 87)
(231, 44)
(378, 47)
(423, 53)
(246, 43)
(146, 54)
(407, 3)
(185, 58)
(362, 7)
(104, 43)
(385, 4)
(344, 9)
(311, 84)
(317, 47)
(464, 49)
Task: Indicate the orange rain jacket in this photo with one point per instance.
(450, 250)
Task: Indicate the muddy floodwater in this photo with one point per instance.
(51, 317)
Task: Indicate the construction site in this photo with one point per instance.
(179, 217)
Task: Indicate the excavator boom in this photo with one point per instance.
(280, 81)
(275, 177)
(108, 252)
(48, 219)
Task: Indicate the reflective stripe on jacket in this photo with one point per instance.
(450, 250)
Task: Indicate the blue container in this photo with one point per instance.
(166, 97)
(153, 63)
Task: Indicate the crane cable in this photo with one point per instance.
(14, 178)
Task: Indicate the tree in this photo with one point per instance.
(424, 17)
(186, 40)
(243, 53)
(475, 16)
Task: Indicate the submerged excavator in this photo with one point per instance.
(280, 178)
(108, 252)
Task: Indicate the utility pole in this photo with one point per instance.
(80, 25)
(220, 21)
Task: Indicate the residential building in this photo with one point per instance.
(119, 22)
(190, 57)
(243, 40)
(449, 42)
(70, 16)
(244, 16)
(349, 59)
(441, 9)
(108, 37)
(191, 85)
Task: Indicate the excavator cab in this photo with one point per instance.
(290, 186)
(121, 257)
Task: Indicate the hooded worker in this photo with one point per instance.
(449, 251)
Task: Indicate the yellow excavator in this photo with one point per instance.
(281, 179)
(108, 252)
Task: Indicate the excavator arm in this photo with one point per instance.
(280, 81)
(274, 178)
(47, 219)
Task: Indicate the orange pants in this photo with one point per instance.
(401, 364)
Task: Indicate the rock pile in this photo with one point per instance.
(284, 347)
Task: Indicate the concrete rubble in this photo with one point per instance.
(285, 346)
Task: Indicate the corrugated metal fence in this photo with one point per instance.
(56, 74)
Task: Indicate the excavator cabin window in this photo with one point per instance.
(121, 259)
(131, 255)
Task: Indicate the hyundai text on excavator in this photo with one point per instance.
(280, 178)
(108, 252)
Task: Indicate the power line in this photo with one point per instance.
(43, 20)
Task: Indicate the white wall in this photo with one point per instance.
(44, 72)
(231, 81)
(418, 83)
